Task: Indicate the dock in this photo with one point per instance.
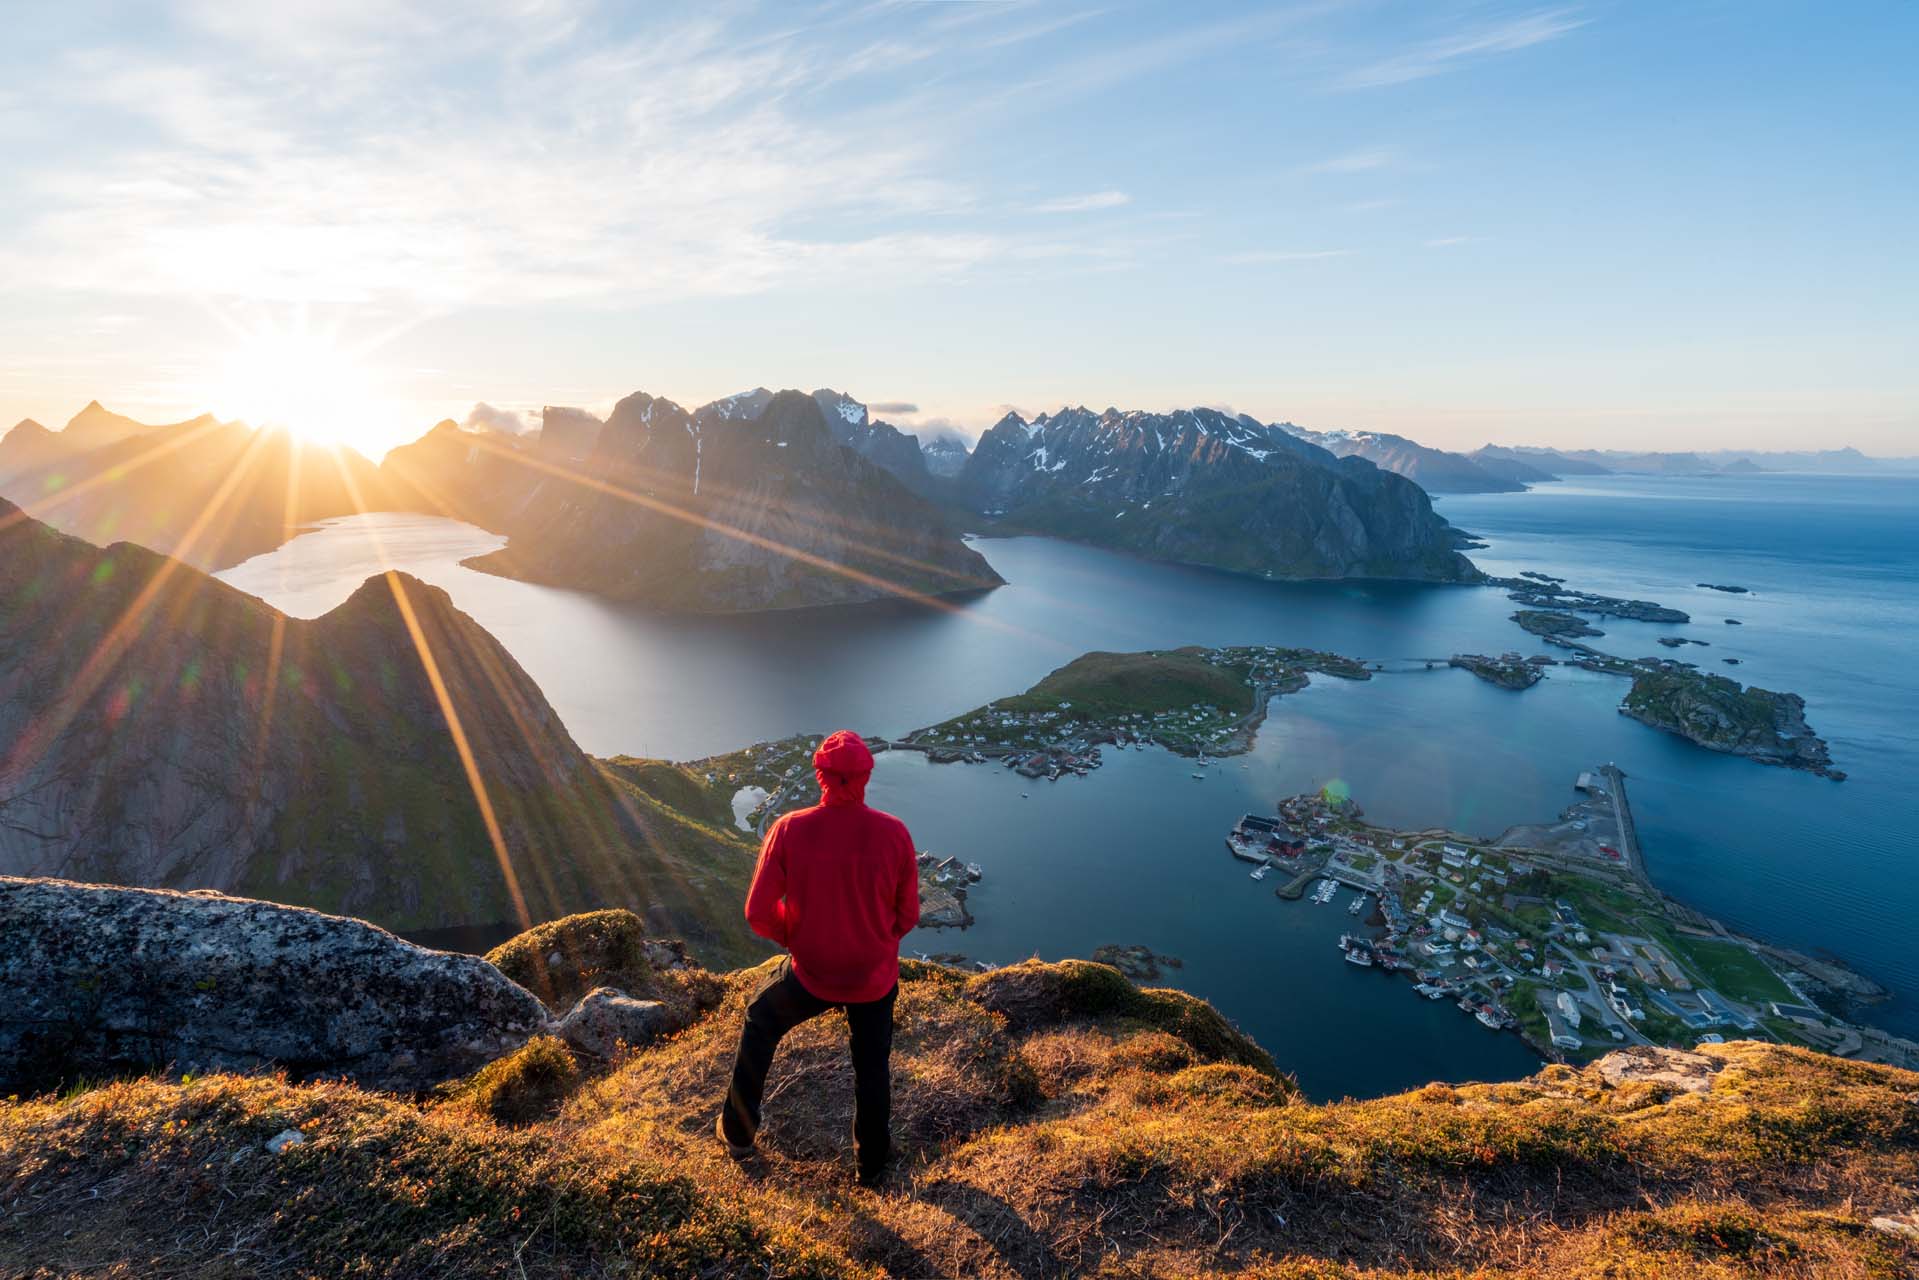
(1622, 816)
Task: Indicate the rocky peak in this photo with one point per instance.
(568, 433)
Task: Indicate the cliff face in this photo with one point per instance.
(1048, 1120)
(742, 506)
(1199, 487)
(163, 729)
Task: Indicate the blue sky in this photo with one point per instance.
(1641, 225)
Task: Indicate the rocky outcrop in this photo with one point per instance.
(1720, 715)
(102, 980)
(1668, 1071)
(1199, 487)
(608, 1022)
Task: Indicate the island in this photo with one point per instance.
(1193, 701)
(1538, 592)
(1712, 711)
(1554, 932)
(1508, 671)
(1730, 590)
(1721, 715)
(1550, 622)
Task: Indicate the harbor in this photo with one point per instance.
(1553, 932)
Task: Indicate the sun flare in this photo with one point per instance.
(309, 385)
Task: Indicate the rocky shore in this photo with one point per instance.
(1537, 592)
(1721, 715)
(1509, 671)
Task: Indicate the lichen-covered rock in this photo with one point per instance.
(607, 1020)
(1673, 1070)
(101, 979)
(561, 960)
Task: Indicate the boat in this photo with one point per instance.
(1260, 874)
(1199, 775)
(1361, 956)
(1489, 1020)
(1359, 905)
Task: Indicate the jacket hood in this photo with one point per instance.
(843, 764)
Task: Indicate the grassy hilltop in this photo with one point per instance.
(1052, 1119)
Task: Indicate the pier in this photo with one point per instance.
(1622, 816)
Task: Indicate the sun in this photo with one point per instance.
(309, 385)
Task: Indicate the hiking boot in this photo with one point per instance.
(733, 1148)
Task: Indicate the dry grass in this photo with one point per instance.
(1037, 1136)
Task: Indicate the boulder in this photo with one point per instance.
(1672, 1070)
(102, 979)
(606, 1019)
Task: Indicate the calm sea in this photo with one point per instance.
(1133, 854)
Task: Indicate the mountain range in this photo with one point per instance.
(210, 493)
(1199, 487)
(163, 729)
(755, 502)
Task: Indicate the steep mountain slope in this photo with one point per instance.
(1049, 1120)
(1434, 470)
(210, 493)
(880, 443)
(163, 729)
(945, 454)
(1199, 487)
(749, 504)
(568, 433)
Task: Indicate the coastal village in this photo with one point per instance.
(1553, 932)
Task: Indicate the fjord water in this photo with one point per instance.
(1134, 853)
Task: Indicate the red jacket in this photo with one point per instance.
(838, 885)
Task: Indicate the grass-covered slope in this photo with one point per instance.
(1051, 1120)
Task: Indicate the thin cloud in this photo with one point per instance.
(1438, 56)
(1447, 242)
(1082, 203)
(1261, 257)
(893, 407)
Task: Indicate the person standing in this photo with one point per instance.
(837, 886)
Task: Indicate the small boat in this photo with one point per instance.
(1361, 956)
(1359, 905)
(1260, 874)
(1489, 1020)
(1200, 776)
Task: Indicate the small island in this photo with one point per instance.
(1721, 715)
(1508, 671)
(1539, 592)
(1193, 701)
(1550, 622)
(1730, 590)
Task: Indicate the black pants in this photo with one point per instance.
(783, 1004)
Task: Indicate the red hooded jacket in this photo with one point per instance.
(838, 885)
